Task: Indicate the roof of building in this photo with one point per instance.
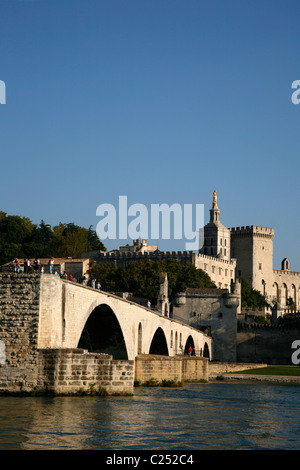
(205, 290)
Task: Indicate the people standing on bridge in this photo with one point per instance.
(36, 266)
(98, 285)
(190, 350)
(17, 265)
(51, 263)
(148, 304)
(93, 283)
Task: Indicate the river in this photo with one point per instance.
(197, 416)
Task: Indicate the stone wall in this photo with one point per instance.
(176, 368)
(269, 344)
(194, 369)
(19, 321)
(286, 284)
(213, 311)
(19, 318)
(69, 371)
(220, 270)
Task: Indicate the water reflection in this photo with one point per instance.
(199, 416)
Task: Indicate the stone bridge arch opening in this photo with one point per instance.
(102, 333)
(189, 344)
(206, 351)
(159, 343)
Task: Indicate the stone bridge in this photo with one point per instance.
(72, 316)
(62, 337)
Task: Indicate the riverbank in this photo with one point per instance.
(273, 374)
(258, 378)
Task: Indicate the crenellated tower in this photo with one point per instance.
(252, 246)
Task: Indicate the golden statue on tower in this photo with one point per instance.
(215, 197)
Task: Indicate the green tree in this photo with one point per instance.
(142, 278)
(291, 303)
(94, 242)
(19, 237)
(251, 298)
(107, 274)
(14, 232)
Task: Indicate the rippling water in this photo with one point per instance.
(195, 417)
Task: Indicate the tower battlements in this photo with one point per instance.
(255, 230)
(147, 255)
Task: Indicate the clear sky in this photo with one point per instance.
(159, 100)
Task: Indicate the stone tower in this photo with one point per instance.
(252, 247)
(216, 235)
(163, 304)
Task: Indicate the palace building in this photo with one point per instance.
(226, 254)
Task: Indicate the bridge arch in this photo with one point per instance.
(102, 333)
(206, 351)
(189, 344)
(159, 343)
(65, 309)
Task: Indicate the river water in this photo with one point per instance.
(195, 417)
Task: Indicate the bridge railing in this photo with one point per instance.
(193, 353)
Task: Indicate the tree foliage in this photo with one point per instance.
(19, 237)
(142, 278)
(251, 298)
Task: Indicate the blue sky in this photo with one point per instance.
(159, 100)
